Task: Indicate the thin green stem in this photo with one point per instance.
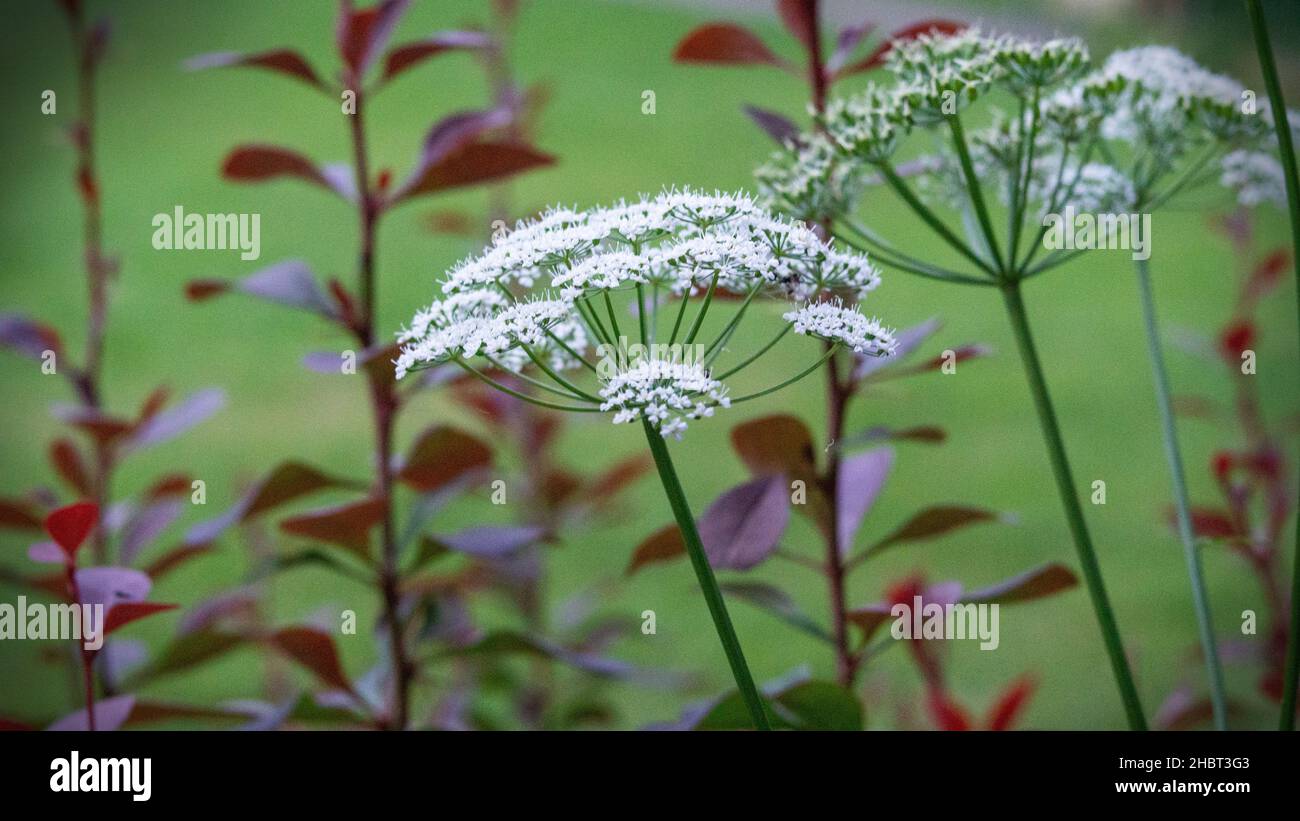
(613, 319)
(1073, 512)
(578, 393)
(902, 262)
(1025, 179)
(708, 583)
(1182, 507)
(750, 359)
(681, 313)
(973, 185)
(523, 396)
(814, 366)
(536, 383)
(923, 211)
(1291, 676)
(704, 310)
(726, 332)
(640, 314)
(593, 320)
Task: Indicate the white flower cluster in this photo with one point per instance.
(471, 323)
(808, 179)
(833, 322)
(681, 242)
(663, 393)
(1255, 176)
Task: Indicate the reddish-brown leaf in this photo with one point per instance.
(932, 522)
(313, 649)
(18, 514)
(724, 43)
(1209, 523)
(120, 615)
(283, 61)
(470, 165)
(408, 55)
(257, 163)
(663, 545)
(441, 455)
(27, 337)
(362, 35)
(779, 444)
(347, 525)
(1046, 580)
(800, 19)
(67, 463)
(174, 558)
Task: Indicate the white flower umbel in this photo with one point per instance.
(1255, 176)
(612, 275)
(664, 393)
(833, 322)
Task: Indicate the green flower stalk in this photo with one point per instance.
(1282, 125)
(539, 299)
(1040, 158)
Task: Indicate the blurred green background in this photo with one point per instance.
(164, 133)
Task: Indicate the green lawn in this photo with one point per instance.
(164, 134)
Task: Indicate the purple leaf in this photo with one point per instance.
(46, 553)
(27, 337)
(147, 525)
(286, 283)
(775, 601)
(777, 126)
(861, 478)
(110, 714)
(207, 613)
(288, 481)
(112, 585)
(174, 421)
(491, 542)
(744, 525)
(849, 39)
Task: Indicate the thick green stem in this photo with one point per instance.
(1073, 512)
(1182, 507)
(708, 584)
(1265, 50)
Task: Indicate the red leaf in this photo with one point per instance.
(947, 714)
(800, 19)
(198, 290)
(347, 525)
(1010, 704)
(313, 649)
(726, 44)
(1267, 274)
(470, 165)
(67, 463)
(104, 428)
(284, 61)
(120, 615)
(617, 477)
(1210, 524)
(441, 455)
(87, 186)
(1235, 340)
(69, 526)
(409, 55)
(661, 546)
(256, 163)
(361, 35)
(877, 57)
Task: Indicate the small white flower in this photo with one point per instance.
(835, 323)
(665, 393)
